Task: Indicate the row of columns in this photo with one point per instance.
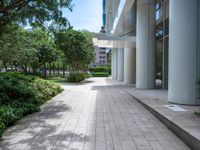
(138, 68)
(124, 65)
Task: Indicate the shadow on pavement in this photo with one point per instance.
(39, 130)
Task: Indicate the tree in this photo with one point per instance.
(90, 46)
(27, 48)
(46, 49)
(34, 12)
(77, 47)
(9, 44)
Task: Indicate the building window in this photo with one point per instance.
(159, 31)
(166, 27)
(102, 52)
(159, 10)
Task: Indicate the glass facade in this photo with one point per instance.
(104, 13)
(162, 36)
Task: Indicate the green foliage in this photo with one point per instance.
(57, 79)
(100, 69)
(77, 77)
(14, 86)
(77, 47)
(35, 12)
(22, 48)
(158, 64)
(87, 75)
(2, 127)
(100, 74)
(9, 44)
(103, 71)
(22, 94)
(45, 90)
(9, 115)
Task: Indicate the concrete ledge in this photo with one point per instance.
(186, 125)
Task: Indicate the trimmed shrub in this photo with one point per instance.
(22, 94)
(75, 78)
(44, 90)
(86, 75)
(100, 74)
(15, 87)
(104, 69)
(9, 115)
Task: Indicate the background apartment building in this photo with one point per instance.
(100, 56)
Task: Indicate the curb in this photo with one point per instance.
(185, 136)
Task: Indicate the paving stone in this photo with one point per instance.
(99, 115)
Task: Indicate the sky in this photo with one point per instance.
(86, 14)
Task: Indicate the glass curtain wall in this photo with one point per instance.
(162, 36)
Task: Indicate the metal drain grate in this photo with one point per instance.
(175, 108)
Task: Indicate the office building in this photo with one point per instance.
(167, 45)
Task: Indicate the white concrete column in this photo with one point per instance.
(145, 46)
(115, 64)
(129, 66)
(120, 64)
(183, 51)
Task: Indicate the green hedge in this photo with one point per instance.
(101, 69)
(22, 94)
(100, 74)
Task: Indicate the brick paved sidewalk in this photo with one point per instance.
(98, 115)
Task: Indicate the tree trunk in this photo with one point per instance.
(34, 70)
(25, 69)
(45, 70)
(63, 70)
(29, 69)
(11, 66)
(15, 66)
(54, 72)
(50, 69)
(58, 69)
(5, 66)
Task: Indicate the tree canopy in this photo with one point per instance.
(23, 48)
(34, 12)
(77, 47)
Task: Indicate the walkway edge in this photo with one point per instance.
(189, 139)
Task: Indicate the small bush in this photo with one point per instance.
(44, 90)
(86, 75)
(2, 127)
(99, 69)
(100, 74)
(77, 77)
(9, 115)
(17, 75)
(22, 94)
(15, 88)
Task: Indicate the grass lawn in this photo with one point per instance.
(57, 79)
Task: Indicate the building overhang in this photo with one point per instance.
(113, 41)
(118, 29)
